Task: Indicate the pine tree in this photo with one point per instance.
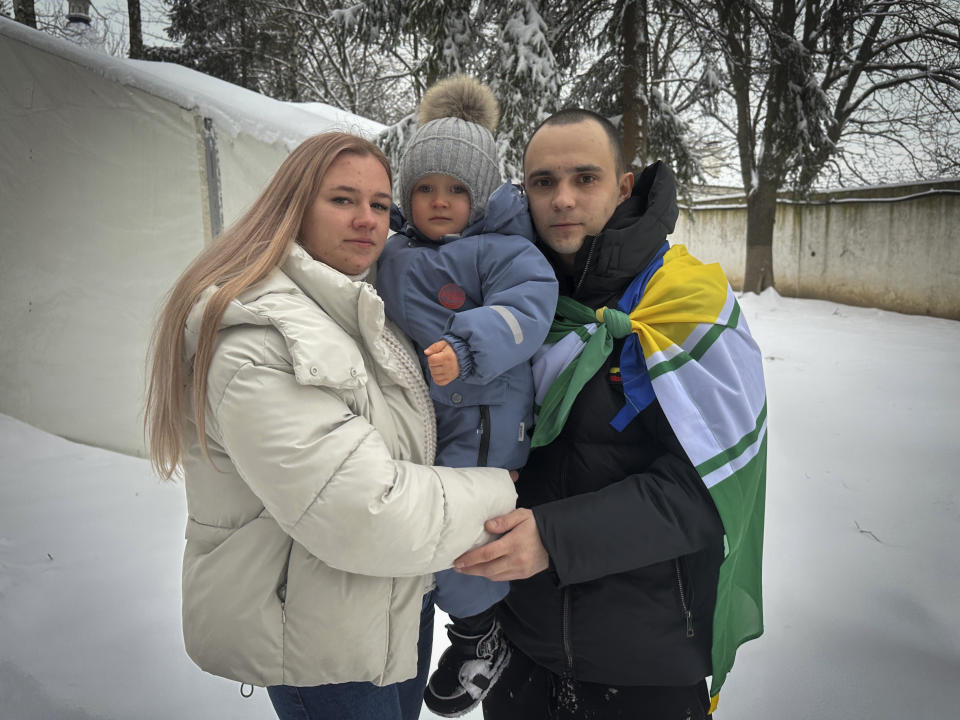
(228, 39)
(523, 74)
(642, 71)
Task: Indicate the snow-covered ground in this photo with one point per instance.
(863, 529)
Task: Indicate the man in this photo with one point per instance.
(616, 545)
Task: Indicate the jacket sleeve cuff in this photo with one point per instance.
(464, 356)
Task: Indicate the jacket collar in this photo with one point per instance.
(352, 304)
(288, 299)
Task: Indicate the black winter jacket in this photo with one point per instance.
(634, 539)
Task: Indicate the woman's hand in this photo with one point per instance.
(443, 363)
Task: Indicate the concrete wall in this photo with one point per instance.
(894, 247)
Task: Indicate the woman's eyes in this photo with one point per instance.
(378, 206)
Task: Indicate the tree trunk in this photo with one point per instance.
(136, 29)
(629, 82)
(761, 214)
(636, 108)
(24, 12)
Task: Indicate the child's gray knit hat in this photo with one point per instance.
(455, 137)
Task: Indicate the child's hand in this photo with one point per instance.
(443, 363)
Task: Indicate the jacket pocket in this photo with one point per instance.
(205, 538)
(464, 394)
(686, 606)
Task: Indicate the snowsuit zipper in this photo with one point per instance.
(687, 614)
(484, 435)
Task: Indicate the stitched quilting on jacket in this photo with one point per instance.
(312, 540)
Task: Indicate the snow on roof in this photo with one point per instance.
(234, 109)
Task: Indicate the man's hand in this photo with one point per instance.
(515, 556)
(443, 363)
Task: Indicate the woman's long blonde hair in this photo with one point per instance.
(243, 256)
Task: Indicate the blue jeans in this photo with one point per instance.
(361, 700)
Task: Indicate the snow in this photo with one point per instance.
(234, 109)
(861, 576)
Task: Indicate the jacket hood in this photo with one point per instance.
(506, 214)
(609, 261)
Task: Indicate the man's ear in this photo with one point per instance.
(626, 186)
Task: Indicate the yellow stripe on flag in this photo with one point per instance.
(676, 302)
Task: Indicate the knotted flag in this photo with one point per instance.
(689, 346)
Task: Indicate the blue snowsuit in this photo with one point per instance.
(490, 294)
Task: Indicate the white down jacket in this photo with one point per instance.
(311, 543)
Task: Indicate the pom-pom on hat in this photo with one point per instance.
(455, 137)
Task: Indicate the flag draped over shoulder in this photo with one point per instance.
(689, 346)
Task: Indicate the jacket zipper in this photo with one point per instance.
(484, 435)
(687, 614)
(282, 589)
(586, 267)
(565, 593)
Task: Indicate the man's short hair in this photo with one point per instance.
(572, 116)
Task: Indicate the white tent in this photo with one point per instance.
(113, 175)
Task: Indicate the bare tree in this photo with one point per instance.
(815, 82)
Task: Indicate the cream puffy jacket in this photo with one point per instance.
(311, 543)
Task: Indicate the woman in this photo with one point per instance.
(304, 432)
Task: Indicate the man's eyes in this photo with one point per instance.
(587, 179)
(542, 182)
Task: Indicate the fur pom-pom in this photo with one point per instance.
(460, 96)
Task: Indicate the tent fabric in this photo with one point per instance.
(104, 199)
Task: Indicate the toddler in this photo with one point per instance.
(463, 279)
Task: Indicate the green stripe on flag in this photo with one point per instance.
(707, 340)
(738, 616)
(699, 349)
(722, 458)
